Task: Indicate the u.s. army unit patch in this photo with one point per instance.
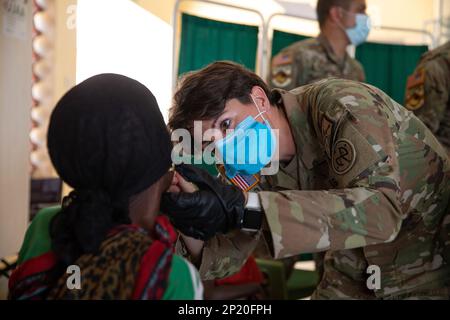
(282, 76)
(282, 70)
(415, 90)
(344, 156)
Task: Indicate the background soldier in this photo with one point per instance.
(342, 22)
(427, 92)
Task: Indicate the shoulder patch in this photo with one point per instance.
(344, 156)
(244, 182)
(281, 76)
(415, 90)
(282, 58)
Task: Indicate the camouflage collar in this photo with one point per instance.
(307, 151)
(330, 52)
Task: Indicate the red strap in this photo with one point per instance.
(36, 265)
(152, 279)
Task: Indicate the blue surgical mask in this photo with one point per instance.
(360, 32)
(249, 148)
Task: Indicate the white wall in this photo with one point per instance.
(15, 104)
(444, 6)
(125, 39)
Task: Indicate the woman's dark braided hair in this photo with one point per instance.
(108, 141)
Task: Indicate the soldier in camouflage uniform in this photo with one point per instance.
(427, 93)
(318, 58)
(369, 184)
(310, 60)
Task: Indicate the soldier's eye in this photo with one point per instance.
(225, 124)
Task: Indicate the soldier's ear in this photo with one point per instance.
(336, 15)
(261, 99)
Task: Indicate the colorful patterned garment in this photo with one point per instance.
(128, 265)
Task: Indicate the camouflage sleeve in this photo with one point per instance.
(436, 89)
(223, 255)
(364, 208)
(285, 70)
(315, 221)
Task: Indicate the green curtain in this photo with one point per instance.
(204, 41)
(387, 66)
(282, 40)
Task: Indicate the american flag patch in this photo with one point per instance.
(243, 182)
(282, 59)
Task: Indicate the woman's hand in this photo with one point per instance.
(194, 246)
(216, 208)
(179, 184)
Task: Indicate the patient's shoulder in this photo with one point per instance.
(184, 281)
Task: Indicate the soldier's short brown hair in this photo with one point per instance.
(202, 95)
(324, 6)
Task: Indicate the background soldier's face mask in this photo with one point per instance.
(249, 148)
(360, 32)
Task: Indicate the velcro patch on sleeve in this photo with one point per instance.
(352, 154)
(281, 76)
(415, 90)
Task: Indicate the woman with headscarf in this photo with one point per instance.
(108, 141)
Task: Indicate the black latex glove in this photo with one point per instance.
(215, 208)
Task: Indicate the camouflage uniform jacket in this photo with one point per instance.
(369, 185)
(310, 60)
(428, 90)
